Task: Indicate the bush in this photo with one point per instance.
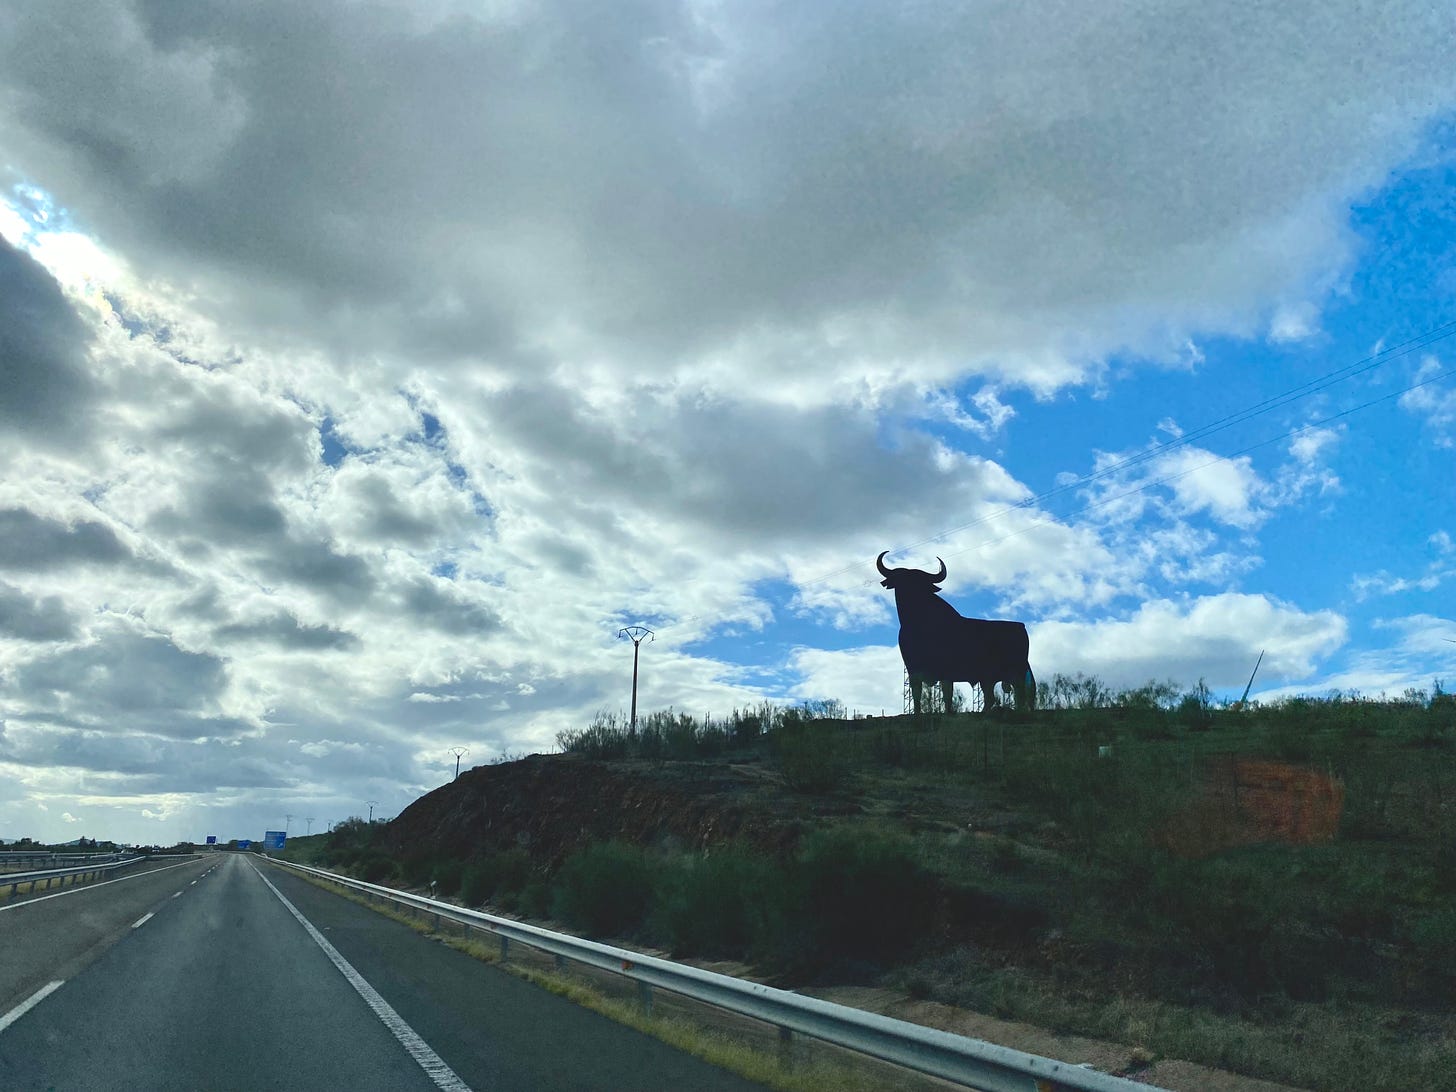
(855, 896)
(446, 876)
(474, 889)
(375, 867)
(496, 875)
(809, 759)
(717, 905)
(604, 890)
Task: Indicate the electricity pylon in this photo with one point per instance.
(635, 635)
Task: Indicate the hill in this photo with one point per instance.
(1271, 891)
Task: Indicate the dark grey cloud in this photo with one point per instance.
(429, 602)
(34, 543)
(284, 630)
(46, 393)
(31, 618)
(149, 763)
(382, 516)
(316, 564)
(126, 679)
(772, 474)
(228, 506)
(961, 182)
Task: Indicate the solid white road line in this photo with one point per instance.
(29, 1003)
(141, 921)
(88, 887)
(178, 895)
(433, 1065)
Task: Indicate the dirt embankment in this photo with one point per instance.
(551, 805)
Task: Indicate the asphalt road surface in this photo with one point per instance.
(224, 974)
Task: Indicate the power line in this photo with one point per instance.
(1294, 394)
(1145, 486)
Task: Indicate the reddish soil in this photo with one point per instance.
(1245, 801)
(551, 805)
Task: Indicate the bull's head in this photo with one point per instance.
(917, 579)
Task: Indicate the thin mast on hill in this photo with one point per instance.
(635, 635)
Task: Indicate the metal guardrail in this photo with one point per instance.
(969, 1062)
(45, 856)
(13, 880)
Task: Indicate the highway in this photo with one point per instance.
(223, 973)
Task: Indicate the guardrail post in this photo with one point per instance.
(786, 1047)
(560, 961)
(644, 995)
(505, 947)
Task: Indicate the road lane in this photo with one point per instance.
(218, 984)
(53, 935)
(219, 989)
(495, 1030)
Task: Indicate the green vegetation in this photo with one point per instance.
(1100, 866)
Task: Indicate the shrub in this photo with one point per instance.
(498, 874)
(717, 905)
(604, 889)
(857, 895)
(474, 889)
(809, 759)
(375, 867)
(446, 876)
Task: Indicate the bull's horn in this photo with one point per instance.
(880, 564)
(938, 579)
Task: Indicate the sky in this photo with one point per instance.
(368, 366)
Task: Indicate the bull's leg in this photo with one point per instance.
(915, 685)
(947, 695)
(1026, 691)
(988, 694)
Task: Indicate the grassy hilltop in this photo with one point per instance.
(1270, 890)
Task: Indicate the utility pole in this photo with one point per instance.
(635, 635)
(459, 752)
(286, 820)
(309, 821)
(372, 804)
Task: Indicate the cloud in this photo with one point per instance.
(1437, 570)
(46, 391)
(34, 543)
(124, 679)
(286, 631)
(1216, 638)
(1436, 405)
(913, 188)
(31, 618)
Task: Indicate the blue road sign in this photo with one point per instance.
(212, 839)
(245, 843)
(274, 839)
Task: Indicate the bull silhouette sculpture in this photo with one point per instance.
(938, 645)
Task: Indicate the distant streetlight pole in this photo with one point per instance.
(372, 804)
(286, 820)
(309, 821)
(635, 635)
(459, 752)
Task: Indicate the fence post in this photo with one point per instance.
(786, 1047)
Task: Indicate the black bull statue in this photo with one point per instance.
(938, 645)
